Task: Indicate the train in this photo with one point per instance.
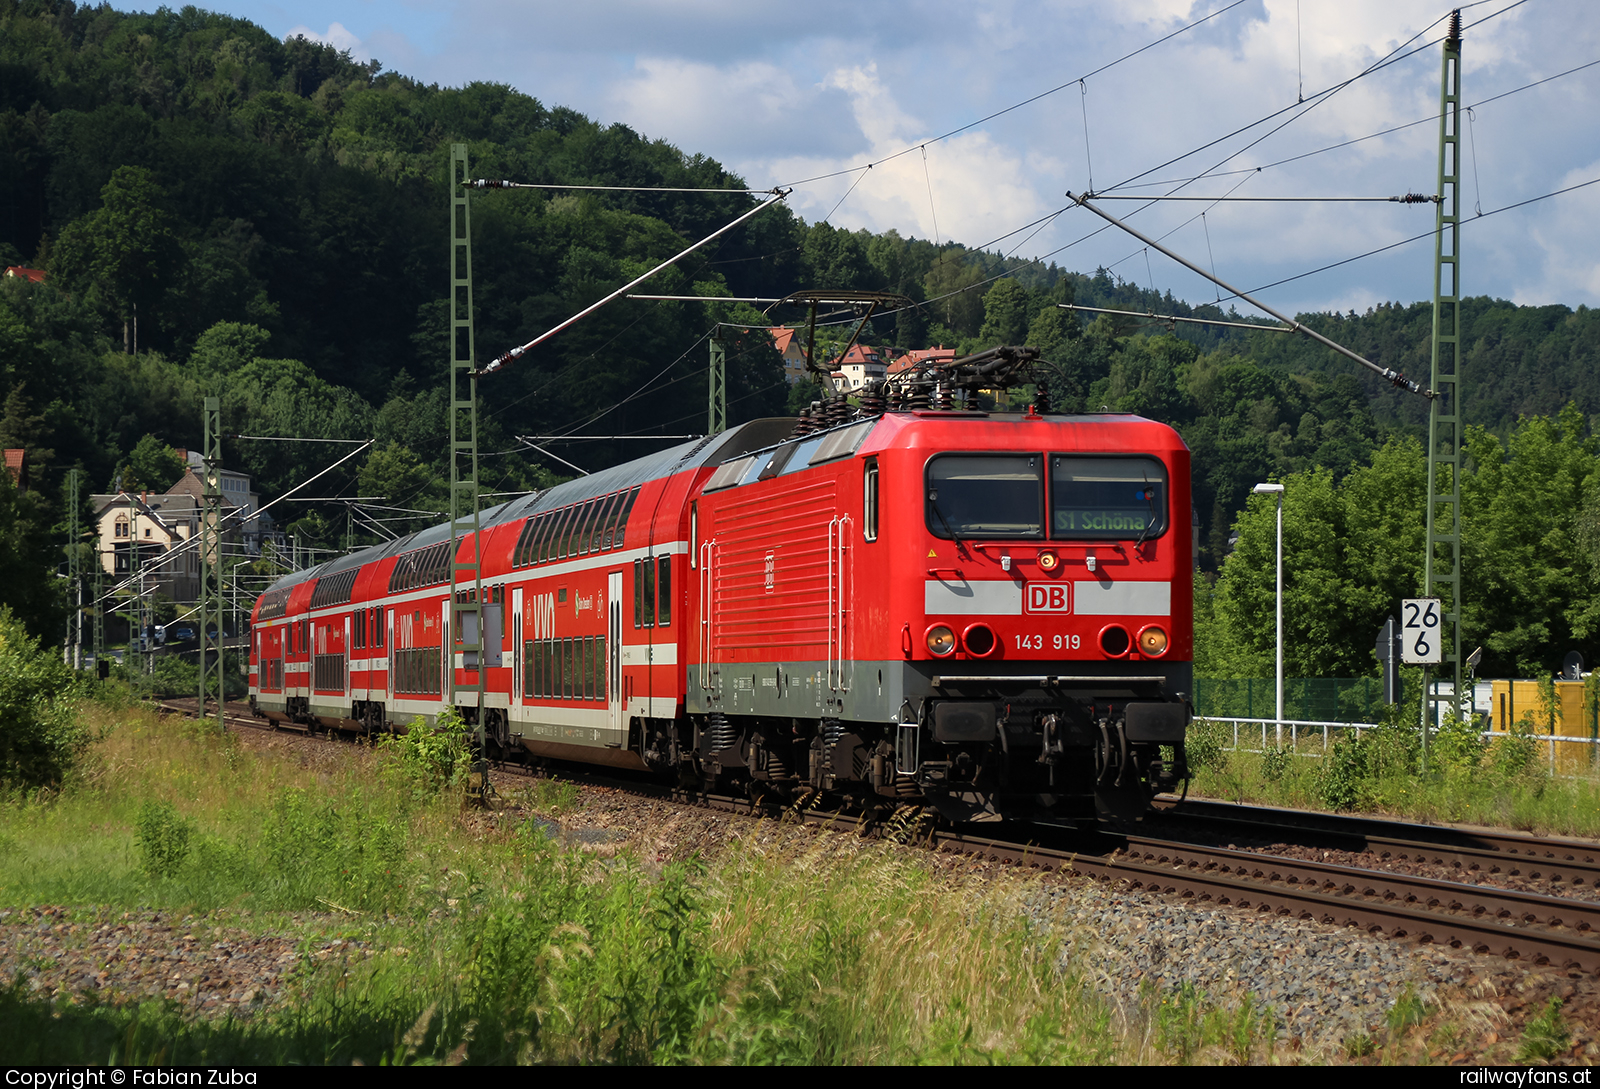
(894, 600)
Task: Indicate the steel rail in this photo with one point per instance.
(1546, 858)
(1375, 901)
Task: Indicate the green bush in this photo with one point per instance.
(436, 759)
(174, 675)
(1545, 1036)
(41, 736)
(1207, 745)
(1458, 745)
(163, 839)
(347, 850)
(1516, 751)
(1344, 772)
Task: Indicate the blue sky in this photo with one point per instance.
(782, 93)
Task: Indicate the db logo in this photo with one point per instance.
(1049, 598)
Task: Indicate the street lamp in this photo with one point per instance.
(1277, 489)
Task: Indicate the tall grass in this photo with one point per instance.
(493, 942)
(1468, 780)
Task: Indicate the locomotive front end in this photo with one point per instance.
(1046, 568)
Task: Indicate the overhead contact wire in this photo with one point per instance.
(1025, 102)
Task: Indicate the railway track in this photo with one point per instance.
(1558, 860)
(1559, 931)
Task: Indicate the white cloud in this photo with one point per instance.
(336, 36)
(1566, 232)
(740, 108)
(969, 187)
(778, 101)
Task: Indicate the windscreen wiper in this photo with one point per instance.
(933, 501)
(1150, 523)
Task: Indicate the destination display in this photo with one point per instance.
(1087, 523)
(1107, 497)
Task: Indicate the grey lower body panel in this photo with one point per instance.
(583, 754)
(876, 691)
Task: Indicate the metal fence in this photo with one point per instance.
(1564, 755)
(1332, 700)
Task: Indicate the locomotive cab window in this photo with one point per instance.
(985, 495)
(1101, 497)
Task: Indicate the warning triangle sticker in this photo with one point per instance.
(932, 555)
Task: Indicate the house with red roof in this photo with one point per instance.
(17, 468)
(904, 366)
(791, 344)
(858, 366)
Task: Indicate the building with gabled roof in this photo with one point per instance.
(791, 345)
(16, 462)
(149, 532)
(859, 366)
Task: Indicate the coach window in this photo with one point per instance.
(569, 537)
(607, 530)
(602, 524)
(644, 593)
(569, 546)
(869, 501)
(541, 530)
(558, 539)
(664, 588)
(622, 519)
(591, 511)
(519, 552)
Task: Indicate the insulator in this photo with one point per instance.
(810, 419)
(872, 400)
(838, 409)
(940, 402)
(917, 398)
(1041, 399)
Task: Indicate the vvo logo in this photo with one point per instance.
(1048, 597)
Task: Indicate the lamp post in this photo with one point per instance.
(1277, 490)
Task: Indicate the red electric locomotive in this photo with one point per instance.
(988, 612)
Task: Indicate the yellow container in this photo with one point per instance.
(1519, 701)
